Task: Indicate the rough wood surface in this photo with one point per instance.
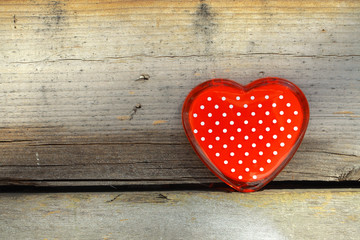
(91, 92)
(274, 214)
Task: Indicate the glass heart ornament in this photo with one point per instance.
(245, 134)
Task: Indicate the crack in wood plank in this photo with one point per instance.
(114, 198)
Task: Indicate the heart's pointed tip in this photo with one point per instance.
(247, 187)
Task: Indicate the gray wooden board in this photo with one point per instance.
(272, 214)
(70, 86)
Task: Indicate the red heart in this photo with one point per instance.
(246, 134)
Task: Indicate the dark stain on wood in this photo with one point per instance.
(204, 25)
(15, 21)
(57, 11)
(55, 16)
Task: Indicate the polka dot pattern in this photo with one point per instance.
(246, 134)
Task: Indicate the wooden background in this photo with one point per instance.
(268, 215)
(91, 92)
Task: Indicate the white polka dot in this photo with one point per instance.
(261, 137)
(260, 121)
(267, 113)
(295, 128)
(268, 161)
(224, 130)
(289, 136)
(216, 106)
(224, 114)
(246, 122)
(253, 145)
(231, 122)
(217, 154)
(223, 98)
(261, 169)
(233, 170)
(195, 115)
(209, 99)
(281, 112)
(210, 146)
(245, 105)
(275, 153)
(266, 96)
(240, 177)
(237, 98)
(238, 114)
(239, 146)
(232, 138)
(274, 136)
(296, 112)
(217, 123)
(282, 144)
(210, 115)
(282, 129)
(268, 145)
(254, 161)
(274, 104)
(261, 153)
(231, 106)
(274, 121)
(253, 129)
(247, 169)
(202, 107)
(240, 162)
(195, 131)
(252, 97)
(224, 146)
(226, 162)
(267, 129)
(202, 139)
(217, 138)
(246, 137)
(260, 105)
(253, 114)
(288, 121)
(238, 130)
(246, 154)
(202, 123)
(232, 154)
(288, 104)
(254, 177)
(281, 96)
(210, 130)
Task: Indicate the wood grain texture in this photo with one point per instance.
(274, 214)
(75, 105)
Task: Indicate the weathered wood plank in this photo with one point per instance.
(271, 214)
(70, 92)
